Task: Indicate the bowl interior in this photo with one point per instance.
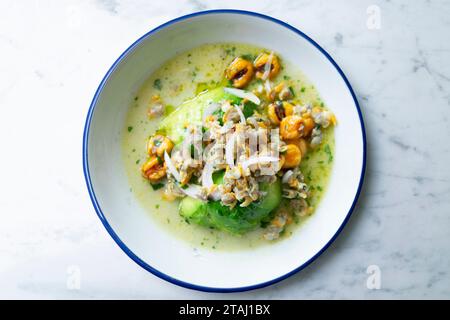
(154, 246)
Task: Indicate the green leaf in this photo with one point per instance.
(249, 109)
(156, 186)
(157, 84)
(291, 90)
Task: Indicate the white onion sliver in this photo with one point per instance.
(171, 168)
(267, 66)
(229, 151)
(207, 173)
(193, 191)
(209, 110)
(267, 86)
(250, 96)
(287, 176)
(215, 195)
(241, 114)
(226, 127)
(258, 159)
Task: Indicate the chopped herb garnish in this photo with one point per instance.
(157, 207)
(157, 84)
(138, 160)
(136, 98)
(291, 90)
(249, 109)
(319, 188)
(194, 180)
(230, 51)
(130, 128)
(328, 152)
(157, 186)
(303, 89)
(160, 161)
(285, 77)
(248, 56)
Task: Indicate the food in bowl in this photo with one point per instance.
(229, 145)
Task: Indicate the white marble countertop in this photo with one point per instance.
(54, 54)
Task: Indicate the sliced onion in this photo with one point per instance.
(287, 176)
(215, 195)
(260, 88)
(229, 151)
(267, 66)
(250, 96)
(207, 173)
(226, 127)
(241, 114)
(267, 86)
(193, 191)
(298, 110)
(171, 168)
(258, 159)
(209, 110)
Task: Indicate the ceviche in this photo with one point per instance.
(229, 143)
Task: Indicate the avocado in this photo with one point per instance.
(237, 220)
(191, 112)
(212, 213)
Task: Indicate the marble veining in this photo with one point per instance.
(54, 53)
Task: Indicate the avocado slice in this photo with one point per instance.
(191, 112)
(237, 220)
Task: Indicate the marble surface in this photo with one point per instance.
(54, 54)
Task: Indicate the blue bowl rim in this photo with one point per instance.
(103, 219)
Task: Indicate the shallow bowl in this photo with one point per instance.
(133, 228)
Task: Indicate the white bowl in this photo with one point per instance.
(134, 230)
